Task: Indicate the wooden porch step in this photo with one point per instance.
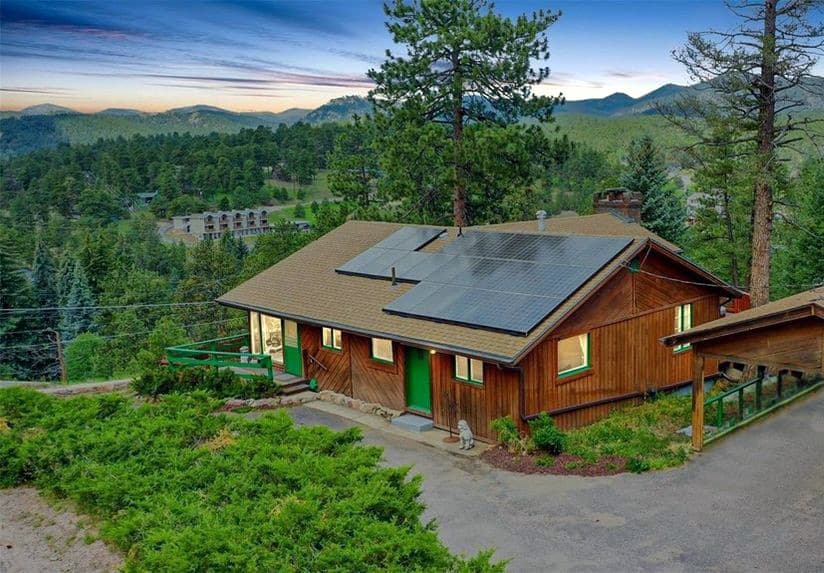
(291, 384)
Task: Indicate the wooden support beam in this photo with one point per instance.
(697, 401)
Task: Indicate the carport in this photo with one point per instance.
(785, 336)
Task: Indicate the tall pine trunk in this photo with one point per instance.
(762, 219)
(459, 190)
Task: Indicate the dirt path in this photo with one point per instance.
(34, 536)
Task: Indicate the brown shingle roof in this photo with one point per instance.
(601, 224)
(305, 287)
(812, 299)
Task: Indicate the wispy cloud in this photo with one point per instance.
(305, 15)
(33, 90)
(566, 79)
(272, 79)
(635, 74)
(67, 17)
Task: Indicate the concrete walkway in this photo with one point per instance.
(752, 501)
(432, 438)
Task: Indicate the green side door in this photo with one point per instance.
(418, 391)
(292, 360)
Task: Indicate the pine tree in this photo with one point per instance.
(353, 163)
(761, 73)
(77, 317)
(15, 293)
(463, 65)
(63, 278)
(44, 276)
(662, 210)
(800, 258)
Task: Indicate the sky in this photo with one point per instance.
(257, 55)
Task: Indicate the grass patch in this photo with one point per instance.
(177, 488)
(318, 189)
(645, 435)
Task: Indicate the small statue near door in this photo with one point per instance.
(465, 435)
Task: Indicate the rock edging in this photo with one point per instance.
(359, 405)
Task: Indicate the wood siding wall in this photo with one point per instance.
(625, 319)
(352, 371)
(376, 381)
(337, 377)
(476, 404)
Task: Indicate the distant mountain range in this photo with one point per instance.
(49, 125)
(811, 93)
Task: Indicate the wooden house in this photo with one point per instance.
(512, 319)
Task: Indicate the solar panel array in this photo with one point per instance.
(398, 250)
(500, 281)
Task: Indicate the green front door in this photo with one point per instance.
(418, 392)
(292, 361)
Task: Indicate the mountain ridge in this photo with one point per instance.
(342, 108)
(49, 125)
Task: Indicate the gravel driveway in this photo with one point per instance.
(752, 501)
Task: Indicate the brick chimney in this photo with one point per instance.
(619, 201)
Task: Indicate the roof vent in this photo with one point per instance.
(541, 220)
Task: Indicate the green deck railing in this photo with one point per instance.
(751, 400)
(222, 353)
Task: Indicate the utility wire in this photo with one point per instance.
(105, 307)
(113, 336)
(683, 281)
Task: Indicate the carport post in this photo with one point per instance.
(697, 401)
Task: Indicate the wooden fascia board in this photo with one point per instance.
(720, 331)
(760, 361)
(416, 342)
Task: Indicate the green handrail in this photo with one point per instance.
(210, 341)
(194, 354)
(740, 416)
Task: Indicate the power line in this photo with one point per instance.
(45, 345)
(683, 281)
(104, 307)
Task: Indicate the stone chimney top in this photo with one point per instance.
(619, 201)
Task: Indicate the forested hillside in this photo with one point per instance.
(73, 236)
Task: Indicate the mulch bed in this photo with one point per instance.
(565, 464)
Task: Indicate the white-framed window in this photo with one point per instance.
(382, 350)
(573, 355)
(332, 338)
(683, 321)
(469, 369)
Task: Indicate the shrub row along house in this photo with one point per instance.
(562, 316)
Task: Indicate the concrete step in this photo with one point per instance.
(284, 378)
(291, 384)
(293, 389)
(412, 423)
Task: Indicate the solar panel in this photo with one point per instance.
(543, 249)
(410, 266)
(506, 281)
(501, 281)
(399, 250)
(503, 311)
(410, 238)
